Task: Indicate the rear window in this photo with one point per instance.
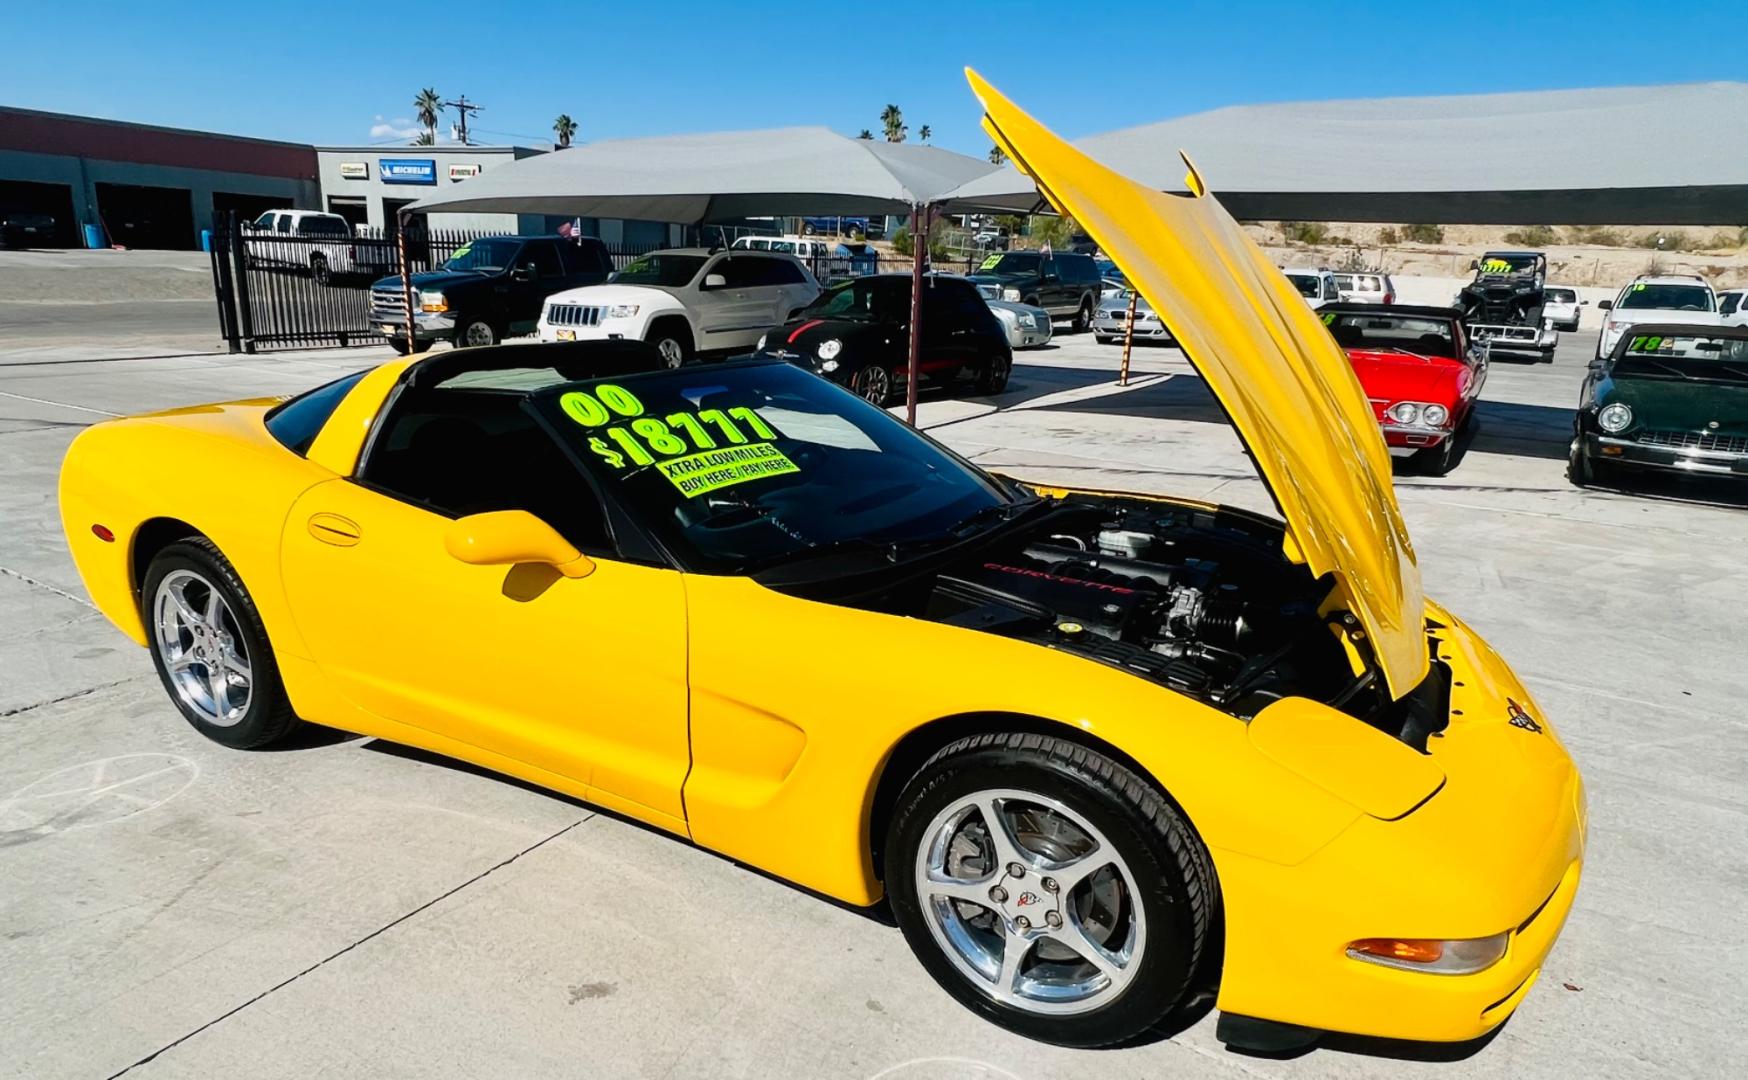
(297, 422)
(1562, 296)
(324, 226)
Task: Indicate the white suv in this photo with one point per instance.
(304, 240)
(687, 302)
(1657, 298)
(1318, 286)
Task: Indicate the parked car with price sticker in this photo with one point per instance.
(1096, 750)
(1670, 398)
(687, 302)
(1656, 298)
(488, 290)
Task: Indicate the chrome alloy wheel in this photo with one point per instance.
(202, 647)
(873, 384)
(478, 334)
(672, 355)
(1030, 902)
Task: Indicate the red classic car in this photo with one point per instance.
(1421, 372)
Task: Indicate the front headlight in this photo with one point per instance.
(1404, 412)
(432, 302)
(1436, 957)
(828, 366)
(1615, 417)
(1011, 294)
(621, 311)
(1434, 415)
(829, 348)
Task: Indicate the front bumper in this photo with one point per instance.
(1687, 460)
(1498, 848)
(610, 330)
(1145, 329)
(1404, 440)
(1509, 338)
(432, 327)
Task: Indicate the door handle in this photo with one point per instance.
(334, 529)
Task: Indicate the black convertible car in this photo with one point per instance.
(858, 334)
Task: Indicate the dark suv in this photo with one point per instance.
(1065, 284)
(490, 289)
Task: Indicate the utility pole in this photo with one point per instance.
(462, 107)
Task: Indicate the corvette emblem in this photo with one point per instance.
(1521, 719)
(1027, 899)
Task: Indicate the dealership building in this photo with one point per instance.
(107, 182)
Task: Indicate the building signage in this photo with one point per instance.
(354, 170)
(462, 172)
(407, 170)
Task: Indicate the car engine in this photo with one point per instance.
(1200, 600)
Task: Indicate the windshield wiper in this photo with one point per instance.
(1666, 367)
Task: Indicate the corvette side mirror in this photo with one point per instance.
(509, 537)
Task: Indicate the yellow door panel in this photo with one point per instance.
(581, 677)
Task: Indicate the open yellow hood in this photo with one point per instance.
(1282, 379)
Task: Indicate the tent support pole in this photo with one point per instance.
(919, 238)
(406, 219)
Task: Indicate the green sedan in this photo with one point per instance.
(1666, 398)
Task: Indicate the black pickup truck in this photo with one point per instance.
(489, 289)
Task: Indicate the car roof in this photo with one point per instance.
(1318, 270)
(1509, 251)
(1418, 311)
(1669, 279)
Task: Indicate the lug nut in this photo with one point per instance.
(1052, 919)
(998, 894)
(1016, 870)
(1050, 884)
(1023, 923)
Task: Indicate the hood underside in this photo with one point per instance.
(1282, 379)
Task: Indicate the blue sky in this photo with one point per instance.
(333, 73)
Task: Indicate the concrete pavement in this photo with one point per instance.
(346, 907)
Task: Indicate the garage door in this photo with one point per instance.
(147, 217)
(55, 200)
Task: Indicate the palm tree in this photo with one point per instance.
(428, 104)
(997, 155)
(892, 119)
(565, 128)
(924, 133)
(866, 134)
(425, 138)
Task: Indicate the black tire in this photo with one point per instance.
(319, 271)
(1437, 460)
(1104, 339)
(400, 345)
(1083, 315)
(673, 339)
(1579, 468)
(476, 333)
(1175, 884)
(267, 716)
(806, 229)
(992, 377)
(1546, 356)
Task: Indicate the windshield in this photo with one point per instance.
(1422, 336)
(865, 299)
(489, 256)
(662, 268)
(1495, 263)
(1667, 297)
(740, 467)
(1011, 262)
(1307, 284)
(1717, 359)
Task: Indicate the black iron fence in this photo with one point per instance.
(302, 290)
(297, 290)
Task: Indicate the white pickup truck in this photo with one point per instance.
(311, 240)
(687, 302)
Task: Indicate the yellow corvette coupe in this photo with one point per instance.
(1096, 750)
